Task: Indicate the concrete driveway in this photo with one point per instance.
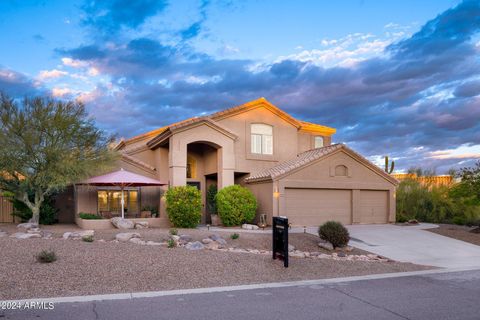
(414, 244)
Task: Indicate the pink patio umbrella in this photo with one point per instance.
(123, 178)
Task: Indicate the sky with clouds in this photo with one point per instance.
(397, 78)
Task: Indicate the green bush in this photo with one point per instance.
(173, 232)
(461, 221)
(236, 205)
(211, 203)
(88, 238)
(46, 256)
(335, 233)
(170, 243)
(89, 216)
(184, 206)
(234, 236)
(48, 212)
(401, 218)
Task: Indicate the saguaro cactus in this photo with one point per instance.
(392, 165)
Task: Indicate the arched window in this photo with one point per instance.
(341, 170)
(191, 167)
(261, 138)
(318, 142)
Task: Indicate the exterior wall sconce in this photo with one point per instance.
(263, 221)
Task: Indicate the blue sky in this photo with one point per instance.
(394, 77)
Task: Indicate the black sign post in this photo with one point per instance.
(280, 239)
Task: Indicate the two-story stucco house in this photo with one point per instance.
(290, 165)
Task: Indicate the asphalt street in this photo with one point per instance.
(453, 295)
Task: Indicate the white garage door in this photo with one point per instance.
(312, 207)
(373, 206)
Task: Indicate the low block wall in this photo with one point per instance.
(103, 224)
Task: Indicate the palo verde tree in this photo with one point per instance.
(46, 145)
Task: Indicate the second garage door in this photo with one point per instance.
(312, 207)
(373, 206)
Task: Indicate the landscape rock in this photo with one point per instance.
(207, 241)
(247, 226)
(475, 230)
(27, 225)
(341, 254)
(215, 237)
(126, 236)
(137, 241)
(325, 245)
(297, 254)
(185, 238)
(47, 235)
(34, 230)
(78, 234)
(291, 248)
(197, 245)
(175, 238)
(153, 243)
(24, 235)
(213, 245)
(122, 223)
(222, 242)
(141, 225)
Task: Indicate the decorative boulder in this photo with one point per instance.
(185, 238)
(141, 225)
(122, 223)
(27, 225)
(291, 248)
(213, 245)
(197, 245)
(126, 236)
(137, 241)
(325, 245)
(249, 226)
(207, 241)
(78, 235)
(23, 235)
(215, 237)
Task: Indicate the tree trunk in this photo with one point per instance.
(36, 214)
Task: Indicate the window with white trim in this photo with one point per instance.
(318, 142)
(261, 138)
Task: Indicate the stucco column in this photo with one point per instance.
(392, 205)
(177, 162)
(226, 166)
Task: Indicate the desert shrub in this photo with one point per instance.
(335, 233)
(184, 206)
(423, 202)
(401, 218)
(48, 212)
(88, 238)
(173, 232)
(89, 216)
(459, 220)
(236, 205)
(170, 243)
(234, 236)
(46, 256)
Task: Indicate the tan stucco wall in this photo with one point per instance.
(264, 194)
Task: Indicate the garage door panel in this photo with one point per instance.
(312, 207)
(373, 206)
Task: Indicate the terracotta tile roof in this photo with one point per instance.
(310, 156)
(138, 162)
(226, 112)
(301, 159)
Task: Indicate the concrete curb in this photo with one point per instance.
(152, 294)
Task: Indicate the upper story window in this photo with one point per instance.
(318, 142)
(261, 138)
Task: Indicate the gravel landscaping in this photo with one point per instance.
(101, 267)
(457, 232)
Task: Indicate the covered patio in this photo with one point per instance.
(121, 194)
